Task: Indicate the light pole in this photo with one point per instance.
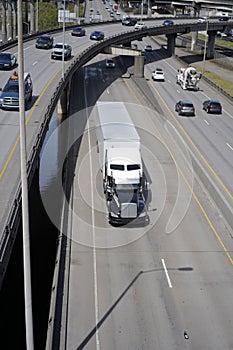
(24, 186)
(141, 10)
(64, 29)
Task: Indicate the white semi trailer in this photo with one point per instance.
(119, 147)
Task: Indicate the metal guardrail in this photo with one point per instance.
(12, 222)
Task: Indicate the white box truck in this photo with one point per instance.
(119, 148)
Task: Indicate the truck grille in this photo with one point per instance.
(10, 101)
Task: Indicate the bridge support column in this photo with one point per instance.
(194, 40)
(139, 66)
(63, 103)
(210, 45)
(171, 42)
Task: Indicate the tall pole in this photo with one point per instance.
(64, 30)
(141, 10)
(24, 185)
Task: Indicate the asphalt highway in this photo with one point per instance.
(164, 286)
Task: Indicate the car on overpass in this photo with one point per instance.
(45, 41)
(7, 60)
(167, 22)
(9, 98)
(78, 31)
(129, 21)
(61, 49)
(202, 20)
(97, 35)
(140, 25)
(224, 18)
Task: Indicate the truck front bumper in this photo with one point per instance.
(119, 221)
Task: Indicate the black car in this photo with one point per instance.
(185, 108)
(128, 21)
(97, 35)
(212, 106)
(78, 31)
(7, 60)
(45, 41)
(223, 18)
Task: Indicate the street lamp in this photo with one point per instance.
(64, 29)
(141, 10)
(24, 186)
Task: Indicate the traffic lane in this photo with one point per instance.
(136, 268)
(204, 134)
(120, 269)
(192, 233)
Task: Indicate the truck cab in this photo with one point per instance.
(9, 98)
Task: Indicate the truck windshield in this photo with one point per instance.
(126, 187)
(117, 167)
(133, 167)
(11, 88)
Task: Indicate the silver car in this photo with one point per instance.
(185, 108)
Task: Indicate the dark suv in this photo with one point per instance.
(212, 106)
(185, 108)
(128, 21)
(45, 41)
(78, 31)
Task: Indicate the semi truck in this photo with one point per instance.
(119, 148)
(188, 78)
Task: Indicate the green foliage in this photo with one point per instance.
(48, 16)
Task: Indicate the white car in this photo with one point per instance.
(148, 48)
(202, 20)
(140, 25)
(57, 51)
(158, 75)
(109, 63)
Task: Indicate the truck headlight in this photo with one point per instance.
(114, 215)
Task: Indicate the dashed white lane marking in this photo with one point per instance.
(229, 146)
(166, 273)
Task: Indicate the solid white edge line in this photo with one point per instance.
(93, 232)
(166, 273)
